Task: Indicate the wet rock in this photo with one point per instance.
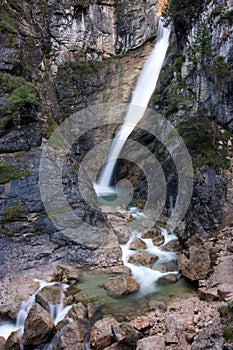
(13, 341)
(77, 311)
(38, 326)
(171, 278)
(101, 334)
(173, 246)
(121, 285)
(124, 333)
(158, 240)
(137, 244)
(155, 342)
(2, 343)
(210, 338)
(155, 232)
(69, 336)
(49, 295)
(197, 266)
(141, 323)
(170, 266)
(144, 259)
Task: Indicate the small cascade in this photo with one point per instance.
(141, 96)
(57, 311)
(145, 276)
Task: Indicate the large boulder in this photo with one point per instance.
(144, 259)
(68, 337)
(155, 342)
(49, 295)
(2, 343)
(197, 266)
(38, 327)
(13, 341)
(101, 334)
(77, 311)
(137, 244)
(121, 285)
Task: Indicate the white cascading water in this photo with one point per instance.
(145, 276)
(57, 312)
(141, 96)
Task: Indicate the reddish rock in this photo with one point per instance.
(144, 259)
(158, 240)
(137, 244)
(121, 285)
(155, 232)
(38, 326)
(77, 311)
(141, 323)
(173, 246)
(101, 334)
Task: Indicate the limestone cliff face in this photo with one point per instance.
(57, 58)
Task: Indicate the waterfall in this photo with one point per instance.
(141, 96)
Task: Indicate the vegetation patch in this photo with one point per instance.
(51, 126)
(12, 213)
(228, 15)
(7, 23)
(10, 172)
(226, 313)
(205, 141)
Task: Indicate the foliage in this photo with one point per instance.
(78, 68)
(226, 313)
(217, 11)
(21, 98)
(228, 16)
(7, 22)
(199, 137)
(51, 126)
(10, 172)
(12, 213)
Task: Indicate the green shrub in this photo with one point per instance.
(51, 126)
(10, 172)
(228, 16)
(12, 213)
(7, 22)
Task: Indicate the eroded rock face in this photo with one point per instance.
(121, 285)
(101, 334)
(38, 326)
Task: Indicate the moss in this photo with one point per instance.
(226, 313)
(51, 126)
(217, 11)
(12, 213)
(10, 172)
(228, 16)
(7, 23)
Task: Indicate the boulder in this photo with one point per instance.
(2, 343)
(197, 266)
(158, 240)
(141, 323)
(77, 311)
(38, 326)
(121, 285)
(137, 244)
(120, 227)
(69, 336)
(173, 246)
(153, 233)
(170, 278)
(144, 259)
(101, 334)
(124, 333)
(155, 342)
(49, 295)
(13, 341)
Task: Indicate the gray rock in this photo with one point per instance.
(121, 285)
(69, 336)
(155, 342)
(101, 334)
(210, 338)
